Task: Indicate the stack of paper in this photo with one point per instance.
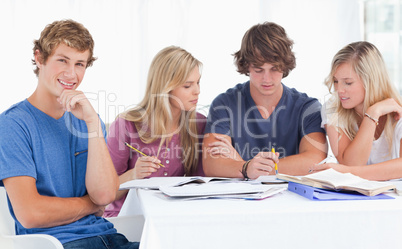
(206, 187)
(243, 190)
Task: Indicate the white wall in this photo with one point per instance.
(129, 33)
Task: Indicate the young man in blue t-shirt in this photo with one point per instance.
(246, 122)
(54, 162)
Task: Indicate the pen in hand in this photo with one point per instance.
(142, 153)
(276, 165)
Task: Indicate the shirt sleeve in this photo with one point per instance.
(398, 131)
(311, 118)
(16, 157)
(219, 118)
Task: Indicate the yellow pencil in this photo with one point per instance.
(142, 153)
(276, 165)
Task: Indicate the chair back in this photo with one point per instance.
(7, 223)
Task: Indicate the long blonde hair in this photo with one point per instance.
(366, 60)
(169, 69)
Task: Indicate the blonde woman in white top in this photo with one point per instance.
(362, 118)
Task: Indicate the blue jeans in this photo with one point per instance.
(109, 241)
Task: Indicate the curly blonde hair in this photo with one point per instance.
(69, 32)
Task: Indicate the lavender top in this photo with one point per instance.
(124, 158)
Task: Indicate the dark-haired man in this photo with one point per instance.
(254, 117)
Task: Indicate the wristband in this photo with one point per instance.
(370, 117)
(244, 169)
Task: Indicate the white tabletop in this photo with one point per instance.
(286, 220)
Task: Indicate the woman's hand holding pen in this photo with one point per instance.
(262, 164)
(145, 166)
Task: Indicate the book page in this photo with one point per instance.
(289, 178)
(253, 196)
(373, 185)
(334, 178)
(156, 182)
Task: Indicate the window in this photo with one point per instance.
(383, 28)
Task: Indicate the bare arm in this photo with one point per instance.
(383, 171)
(36, 211)
(312, 149)
(144, 167)
(357, 151)
(101, 178)
(215, 164)
(345, 150)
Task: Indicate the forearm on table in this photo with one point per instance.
(222, 167)
(299, 164)
(383, 171)
(313, 149)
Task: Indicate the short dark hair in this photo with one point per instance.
(69, 32)
(265, 43)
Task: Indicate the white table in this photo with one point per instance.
(286, 220)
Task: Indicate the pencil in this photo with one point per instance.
(276, 165)
(142, 153)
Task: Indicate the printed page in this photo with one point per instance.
(335, 178)
(372, 185)
(213, 188)
(155, 182)
(253, 196)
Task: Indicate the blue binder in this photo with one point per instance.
(317, 194)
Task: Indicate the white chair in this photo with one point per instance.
(130, 226)
(9, 240)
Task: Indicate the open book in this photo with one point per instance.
(157, 182)
(332, 179)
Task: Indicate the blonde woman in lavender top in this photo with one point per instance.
(165, 125)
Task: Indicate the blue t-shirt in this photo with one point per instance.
(234, 113)
(54, 152)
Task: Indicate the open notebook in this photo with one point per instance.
(332, 179)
